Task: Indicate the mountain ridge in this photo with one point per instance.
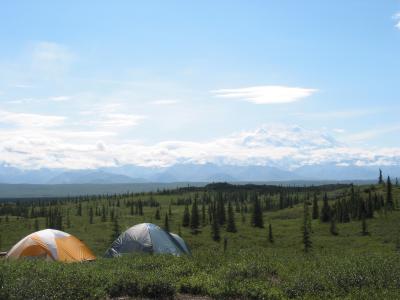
(207, 172)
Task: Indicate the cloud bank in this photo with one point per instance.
(286, 147)
(267, 94)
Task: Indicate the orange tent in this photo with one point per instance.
(51, 244)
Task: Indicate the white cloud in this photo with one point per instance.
(30, 120)
(53, 148)
(60, 98)
(341, 114)
(117, 120)
(372, 133)
(397, 18)
(50, 52)
(20, 101)
(339, 130)
(23, 86)
(51, 59)
(165, 102)
(101, 109)
(109, 116)
(268, 94)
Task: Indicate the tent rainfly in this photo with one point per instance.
(51, 245)
(147, 238)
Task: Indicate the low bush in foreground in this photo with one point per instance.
(245, 274)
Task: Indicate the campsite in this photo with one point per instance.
(209, 149)
(243, 259)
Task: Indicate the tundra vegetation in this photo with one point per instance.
(248, 241)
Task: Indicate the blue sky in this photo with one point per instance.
(137, 74)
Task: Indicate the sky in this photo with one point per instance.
(97, 83)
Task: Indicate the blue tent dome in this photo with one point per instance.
(150, 238)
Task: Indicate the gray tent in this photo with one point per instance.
(150, 238)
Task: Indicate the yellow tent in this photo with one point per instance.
(51, 244)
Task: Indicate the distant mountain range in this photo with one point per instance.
(269, 153)
(208, 172)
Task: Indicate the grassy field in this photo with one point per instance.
(346, 266)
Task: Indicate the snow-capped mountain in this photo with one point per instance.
(271, 152)
(285, 136)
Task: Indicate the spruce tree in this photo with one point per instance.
(333, 229)
(103, 214)
(326, 210)
(170, 209)
(281, 201)
(79, 210)
(231, 225)
(315, 212)
(157, 215)
(166, 223)
(132, 212)
(364, 228)
(215, 229)
(195, 218)
(36, 225)
(345, 212)
(369, 206)
(68, 221)
(210, 212)
(353, 204)
(389, 195)
(59, 223)
(221, 213)
(270, 235)
(32, 213)
(377, 202)
(361, 209)
(140, 207)
(306, 230)
(112, 215)
(203, 214)
(116, 231)
(186, 217)
(179, 231)
(257, 216)
(91, 215)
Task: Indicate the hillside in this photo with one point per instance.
(355, 263)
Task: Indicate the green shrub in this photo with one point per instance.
(123, 286)
(157, 289)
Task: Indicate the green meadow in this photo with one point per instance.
(356, 259)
